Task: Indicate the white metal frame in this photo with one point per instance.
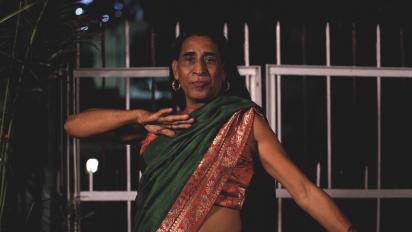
(273, 109)
(274, 76)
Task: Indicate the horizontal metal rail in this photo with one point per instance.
(137, 72)
(276, 72)
(338, 71)
(252, 74)
(280, 193)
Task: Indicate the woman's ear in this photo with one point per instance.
(174, 69)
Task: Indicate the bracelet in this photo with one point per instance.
(352, 229)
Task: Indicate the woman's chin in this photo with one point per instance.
(202, 97)
(199, 95)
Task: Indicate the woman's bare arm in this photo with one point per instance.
(97, 121)
(307, 195)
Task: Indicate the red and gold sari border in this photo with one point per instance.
(204, 186)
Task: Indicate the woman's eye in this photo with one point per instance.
(189, 59)
(210, 59)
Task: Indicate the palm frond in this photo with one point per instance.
(34, 32)
(26, 7)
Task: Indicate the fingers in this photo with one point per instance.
(164, 111)
(164, 116)
(174, 119)
(170, 119)
(179, 125)
(163, 122)
(182, 124)
(167, 132)
(178, 122)
(160, 130)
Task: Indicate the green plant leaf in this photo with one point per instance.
(26, 7)
(34, 32)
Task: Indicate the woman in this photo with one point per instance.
(199, 161)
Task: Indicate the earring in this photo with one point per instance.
(227, 87)
(175, 85)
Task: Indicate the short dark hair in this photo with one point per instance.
(237, 83)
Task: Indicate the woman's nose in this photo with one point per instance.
(199, 67)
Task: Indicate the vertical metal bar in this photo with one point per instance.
(177, 29)
(77, 55)
(366, 181)
(257, 85)
(103, 46)
(127, 44)
(328, 109)
(153, 57)
(354, 44)
(128, 163)
(74, 140)
(90, 181)
(378, 96)
(277, 113)
(68, 97)
(303, 43)
(76, 159)
(129, 216)
(378, 215)
(68, 195)
(304, 93)
(75, 224)
(278, 52)
(270, 98)
(77, 141)
(225, 31)
(318, 174)
(61, 130)
(279, 106)
(76, 162)
(246, 45)
(153, 47)
(246, 57)
(279, 215)
(278, 85)
(103, 51)
(354, 79)
(379, 124)
(402, 46)
(128, 148)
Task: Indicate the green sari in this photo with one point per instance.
(170, 162)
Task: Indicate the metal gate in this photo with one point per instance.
(271, 84)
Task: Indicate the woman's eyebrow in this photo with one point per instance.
(189, 54)
(204, 54)
(210, 54)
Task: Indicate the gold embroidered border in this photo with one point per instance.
(204, 186)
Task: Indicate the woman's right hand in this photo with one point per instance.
(163, 122)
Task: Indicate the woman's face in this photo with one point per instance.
(199, 69)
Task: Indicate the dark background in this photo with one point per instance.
(353, 35)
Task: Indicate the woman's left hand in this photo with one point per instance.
(163, 122)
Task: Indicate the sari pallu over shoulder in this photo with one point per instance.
(183, 175)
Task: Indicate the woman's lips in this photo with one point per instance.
(199, 84)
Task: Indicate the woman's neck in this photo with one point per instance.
(192, 106)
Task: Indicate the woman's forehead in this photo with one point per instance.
(199, 43)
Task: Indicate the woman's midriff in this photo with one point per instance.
(222, 219)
